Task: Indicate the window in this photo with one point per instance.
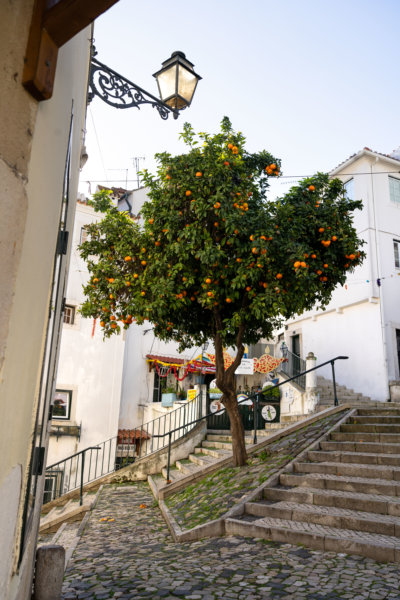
(84, 234)
(69, 314)
(349, 189)
(394, 190)
(396, 248)
(62, 404)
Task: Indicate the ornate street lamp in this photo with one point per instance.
(176, 80)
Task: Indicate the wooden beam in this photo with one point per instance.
(54, 22)
(66, 18)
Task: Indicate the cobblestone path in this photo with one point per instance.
(134, 556)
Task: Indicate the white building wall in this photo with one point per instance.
(88, 365)
(362, 317)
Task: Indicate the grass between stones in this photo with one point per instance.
(212, 496)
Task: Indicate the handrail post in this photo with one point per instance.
(82, 471)
(169, 456)
(336, 402)
(255, 405)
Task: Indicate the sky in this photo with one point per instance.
(312, 82)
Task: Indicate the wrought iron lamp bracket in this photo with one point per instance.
(117, 91)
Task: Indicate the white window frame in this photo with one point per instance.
(349, 187)
(64, 396)
(69, 310)
(84, 234)
(396, 248)
(394, 190)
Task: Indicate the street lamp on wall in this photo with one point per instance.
(176, 81)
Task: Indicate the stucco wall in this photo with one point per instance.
(33, 147)
(89, 365)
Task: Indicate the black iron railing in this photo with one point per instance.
(257, 397)
(75, 471)
(293, 367)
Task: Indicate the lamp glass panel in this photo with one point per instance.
(167, 82)
(186, 83)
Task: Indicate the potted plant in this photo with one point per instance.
(181, 394)
(214, 393)
(168, 397)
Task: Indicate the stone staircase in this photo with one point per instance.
(343, 496)
(69, 510)
(216, 447)
(344, 394)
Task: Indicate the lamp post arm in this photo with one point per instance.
(117, 91)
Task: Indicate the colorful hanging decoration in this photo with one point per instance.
(264, 364)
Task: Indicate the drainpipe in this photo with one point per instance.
(380, 288)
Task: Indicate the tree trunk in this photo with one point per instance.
(227, 384)
(237, 430)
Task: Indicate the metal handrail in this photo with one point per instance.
(118, 451)
(256, 397)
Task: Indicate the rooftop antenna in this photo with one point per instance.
(136, 160)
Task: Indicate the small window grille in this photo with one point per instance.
(394, 190)
(396, 248)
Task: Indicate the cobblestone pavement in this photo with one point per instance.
(133, 556)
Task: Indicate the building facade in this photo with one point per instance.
(42, 107)
(362, 321)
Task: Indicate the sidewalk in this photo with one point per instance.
(135, 557)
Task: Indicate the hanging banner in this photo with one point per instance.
(246, 367)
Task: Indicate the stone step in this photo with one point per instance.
(363, 446)
(174, 474)
(354, 457)
(320, 537)
(363, 419)
(203, 460)
(386, 472)
(370, 428)
(341, 436)
(370, 503)
(70, 510)
(362, 485)
(381, 412)
(214, 452)
(212, 437)
(218, 445)
(327, 515)
(186, 466)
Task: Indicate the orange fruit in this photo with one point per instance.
(236, 231)
(188, 193)
(199, 174)
(303, 264)
(296, 264)
(313, 256)
(279, 276)
(151, 221)
(168, 176)
(325, 265)
(238, 260)
(111, 279)
(127, 258)
(248, 288)
(135, 275)
(254, 250)
(142, 293)
(235, 150)
(230, 146)
(102, 323)
(216, 224)
(114, 325)
(352, 256)
(111, 296)
(228, 300)
(217, 205)
(311, 188)
(321, 229)
(334, 238)
(208, 280)
(226, 163)
(127, 283)
(209, 294)
(157, 243)
(143, 262)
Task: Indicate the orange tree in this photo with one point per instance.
(212, 258)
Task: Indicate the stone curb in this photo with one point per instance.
(217, 527)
